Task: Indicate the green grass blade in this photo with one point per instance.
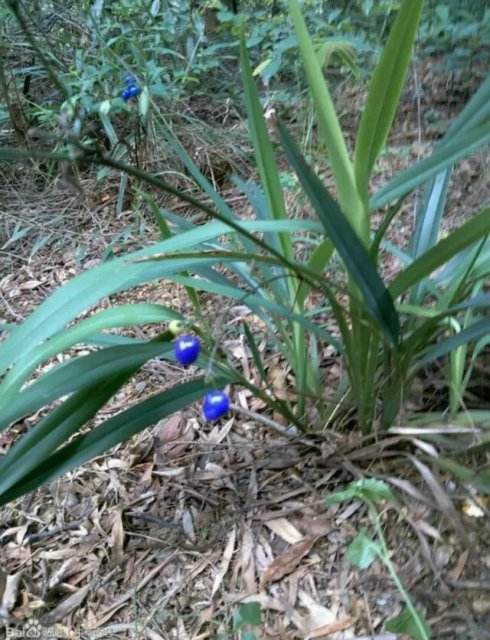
(356, 258)
(469, 233)
(384, 92)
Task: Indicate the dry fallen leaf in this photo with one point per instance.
(277, 377)
(481, 606)
(456, 572)
(225, 562)
(117, 539)
(288, 561)
(329, 629)
(476, 506)
(285, 530)
(247, 560)
(172, 437)
(68, 567)
(9, 586)
(65, 607)
(30, 284)
(188, 525)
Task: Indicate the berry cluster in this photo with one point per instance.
(187, 348)
(132, 89)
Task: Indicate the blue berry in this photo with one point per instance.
(216, 404)
(187, 348)
(129, 79)
(133, 91)
(125, 95)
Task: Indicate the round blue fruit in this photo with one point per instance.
(129, 79)
(125, 95)
(187, 348)
(215, 405)
(133, 91)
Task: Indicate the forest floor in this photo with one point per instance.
(164, 537)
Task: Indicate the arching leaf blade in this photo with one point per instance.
(356, 258)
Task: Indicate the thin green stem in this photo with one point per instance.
(385, 558)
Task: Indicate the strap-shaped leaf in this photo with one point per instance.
(356, 258)
(429, 218)
(256, 197)
(475, 112)
(109, 434)
(474, 332)
(256, 303)
(117, 275)
(77, 374)
(317, 262)
(443, 157)
(445, 249)
(330, 128)
(122, 316)
(431, 207)
(264, 153)
(56, 428)
(384, 91)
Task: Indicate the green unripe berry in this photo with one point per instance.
(176, 327)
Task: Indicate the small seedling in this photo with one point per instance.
(248, 614)
(363, 550)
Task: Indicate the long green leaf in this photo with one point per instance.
(474, 114)
(256, 197)
(109, 434)
(474, 332)
(77, 374)
(384, 92)
(473, 230)
(427, 225)
(356, 258)
(56, 428)
(117, 275)
(480, 481)
(317, 262)
(443, 157)
(342, 168)
(256, 302)
(255, 352)
(123, 316)
(109, 161)
(264, 154)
